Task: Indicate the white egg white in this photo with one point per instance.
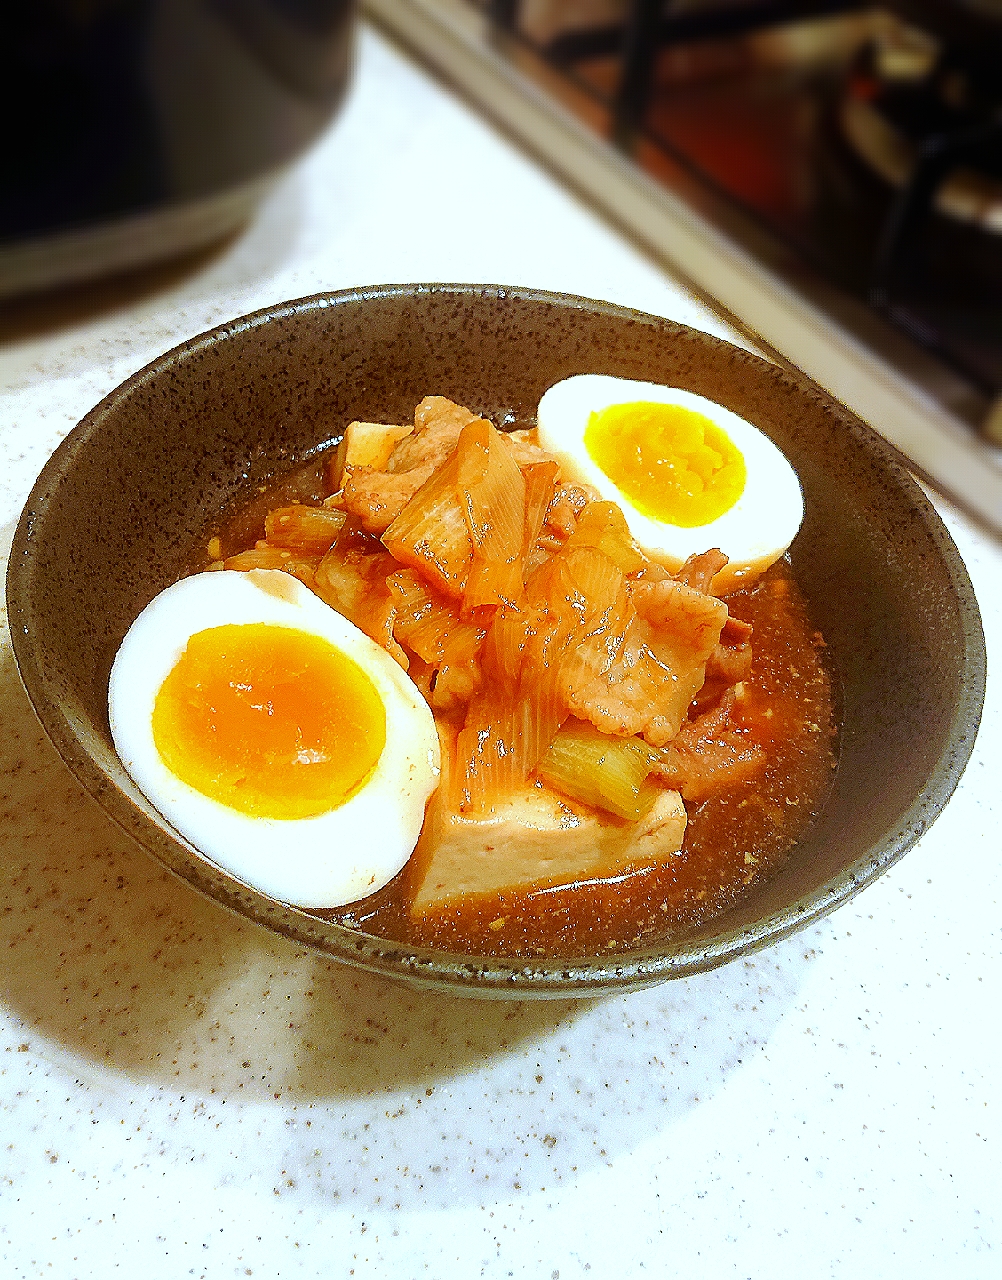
(324, 861)
(753, 534)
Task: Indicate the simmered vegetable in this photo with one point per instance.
(609, 773)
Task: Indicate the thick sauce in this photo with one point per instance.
(734, 839)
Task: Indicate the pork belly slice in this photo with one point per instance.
(376, 495)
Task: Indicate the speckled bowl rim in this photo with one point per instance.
(464, 974)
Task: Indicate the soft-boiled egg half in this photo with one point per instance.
(282, 742)
(688, 474)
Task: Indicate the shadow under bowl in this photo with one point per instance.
(119, 508)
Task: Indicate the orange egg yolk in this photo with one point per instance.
(270, 721)
(673, 464)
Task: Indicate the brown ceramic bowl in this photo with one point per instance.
(119, 507)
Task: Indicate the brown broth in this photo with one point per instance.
(734, 840)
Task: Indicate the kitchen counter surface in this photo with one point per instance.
(184, 1095)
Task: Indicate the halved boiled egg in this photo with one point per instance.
(688, 473)
(279, 740)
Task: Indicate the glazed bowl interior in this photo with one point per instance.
(117, 512)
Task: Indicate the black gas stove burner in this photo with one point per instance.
(935, 136)
(881, 167)
(648, 28)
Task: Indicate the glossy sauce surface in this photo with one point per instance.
(734, 840)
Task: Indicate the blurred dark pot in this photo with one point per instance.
(147, 128)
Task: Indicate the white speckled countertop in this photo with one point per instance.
(184, 1095)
